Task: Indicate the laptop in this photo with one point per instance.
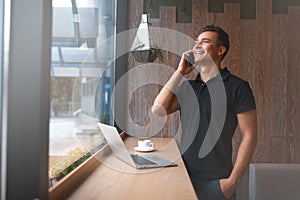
(139, 161)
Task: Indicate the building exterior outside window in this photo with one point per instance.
(82, 77)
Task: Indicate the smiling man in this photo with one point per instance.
(222, 102)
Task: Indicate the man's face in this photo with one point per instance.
(206, 47)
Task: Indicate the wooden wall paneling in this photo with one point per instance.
(202, 17)
(185, 28)
(142, 99)
(263, 76)
(293, 87)
(155, 22)
(199, 16)
(136, 98)
(168, 20)
(232, 27)
(248, 56)
(232, 59)
(280, 140)
(135, 12)
(167, 16)
(216, 19)
(134, 17)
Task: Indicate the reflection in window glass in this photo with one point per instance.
(81, 81)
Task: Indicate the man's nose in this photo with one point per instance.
(198, 46)
(198, 43)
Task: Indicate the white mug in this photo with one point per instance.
(145, 144)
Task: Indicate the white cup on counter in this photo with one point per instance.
(145, 144)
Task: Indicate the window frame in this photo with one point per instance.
(26, 154)
(2, 136)
(115, 22)
(26, 111)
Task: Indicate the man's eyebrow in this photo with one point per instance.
(197, 39)
(206, 39)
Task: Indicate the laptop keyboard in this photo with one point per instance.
(141, 161)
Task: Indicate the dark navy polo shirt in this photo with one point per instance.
(196, 119)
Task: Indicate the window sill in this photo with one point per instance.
(66, 186)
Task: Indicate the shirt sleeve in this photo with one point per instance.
(245, 100)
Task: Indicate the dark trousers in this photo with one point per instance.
(209, 190)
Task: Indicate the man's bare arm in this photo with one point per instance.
(166, 101)
(247, 122)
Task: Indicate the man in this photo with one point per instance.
(208, 153)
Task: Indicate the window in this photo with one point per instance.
(82, 77)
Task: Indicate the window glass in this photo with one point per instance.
(82, 77)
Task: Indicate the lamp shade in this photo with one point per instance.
(142, 48)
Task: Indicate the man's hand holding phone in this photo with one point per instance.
(187, 63)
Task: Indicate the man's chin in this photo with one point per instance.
(201, 58)
(199, 61)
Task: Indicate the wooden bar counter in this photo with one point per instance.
(113, 179)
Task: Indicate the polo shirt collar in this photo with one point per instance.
(224, 75)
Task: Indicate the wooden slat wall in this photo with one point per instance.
(278, 113)
(293, 84)
(266, 52)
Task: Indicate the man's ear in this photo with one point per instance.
(222, 50)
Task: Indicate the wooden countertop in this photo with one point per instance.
(114, 179)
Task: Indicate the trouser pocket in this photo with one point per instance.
(221, 194)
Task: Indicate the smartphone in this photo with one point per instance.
(190, 59)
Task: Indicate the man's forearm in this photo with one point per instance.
(243, 160)
(164, 102)
(244, 157)
(248, 126)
